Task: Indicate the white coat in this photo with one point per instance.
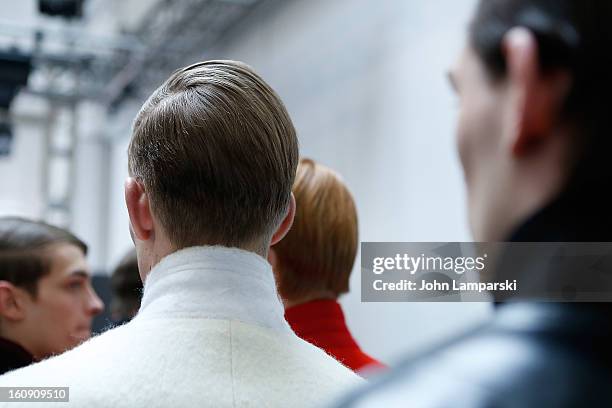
(210, 333)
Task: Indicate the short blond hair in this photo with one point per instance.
(217, 153)
(319, 251)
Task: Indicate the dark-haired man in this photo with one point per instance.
(534, 141)
(47, 302)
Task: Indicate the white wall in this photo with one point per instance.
(22, 173)
(119, 238)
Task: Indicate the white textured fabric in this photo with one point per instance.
(210, 333)
(215, 283)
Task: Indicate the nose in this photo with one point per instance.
(95, 305)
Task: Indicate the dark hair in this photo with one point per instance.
(216, 151)
(23, 245)
(572, 35)
(127, 286)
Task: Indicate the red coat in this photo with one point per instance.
(321, 322)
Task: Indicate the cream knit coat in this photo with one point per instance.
(210, 333)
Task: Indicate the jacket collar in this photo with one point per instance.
(216, 283)
(13, 356)
(579, 214)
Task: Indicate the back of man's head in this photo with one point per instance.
(316, 257)
(217, 153)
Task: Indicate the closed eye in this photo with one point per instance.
(77, 284)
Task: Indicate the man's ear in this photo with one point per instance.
(536, 97)
(139, 209)
(11, 302)
(286, 224)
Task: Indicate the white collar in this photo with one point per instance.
(214, 282)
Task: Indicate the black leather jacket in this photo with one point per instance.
(530, 355)
(12, 356)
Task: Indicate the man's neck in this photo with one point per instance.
(157, 250)
(213, 282)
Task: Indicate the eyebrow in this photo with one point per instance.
(80, 273)
(453, 82)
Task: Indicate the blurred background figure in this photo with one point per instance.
(46, 300)
(534, 140)
(127, 289)
(313, 263)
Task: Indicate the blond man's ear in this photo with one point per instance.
(286, 224)
(139, 210)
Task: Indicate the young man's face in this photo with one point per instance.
(60, 315)
(479, 140)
